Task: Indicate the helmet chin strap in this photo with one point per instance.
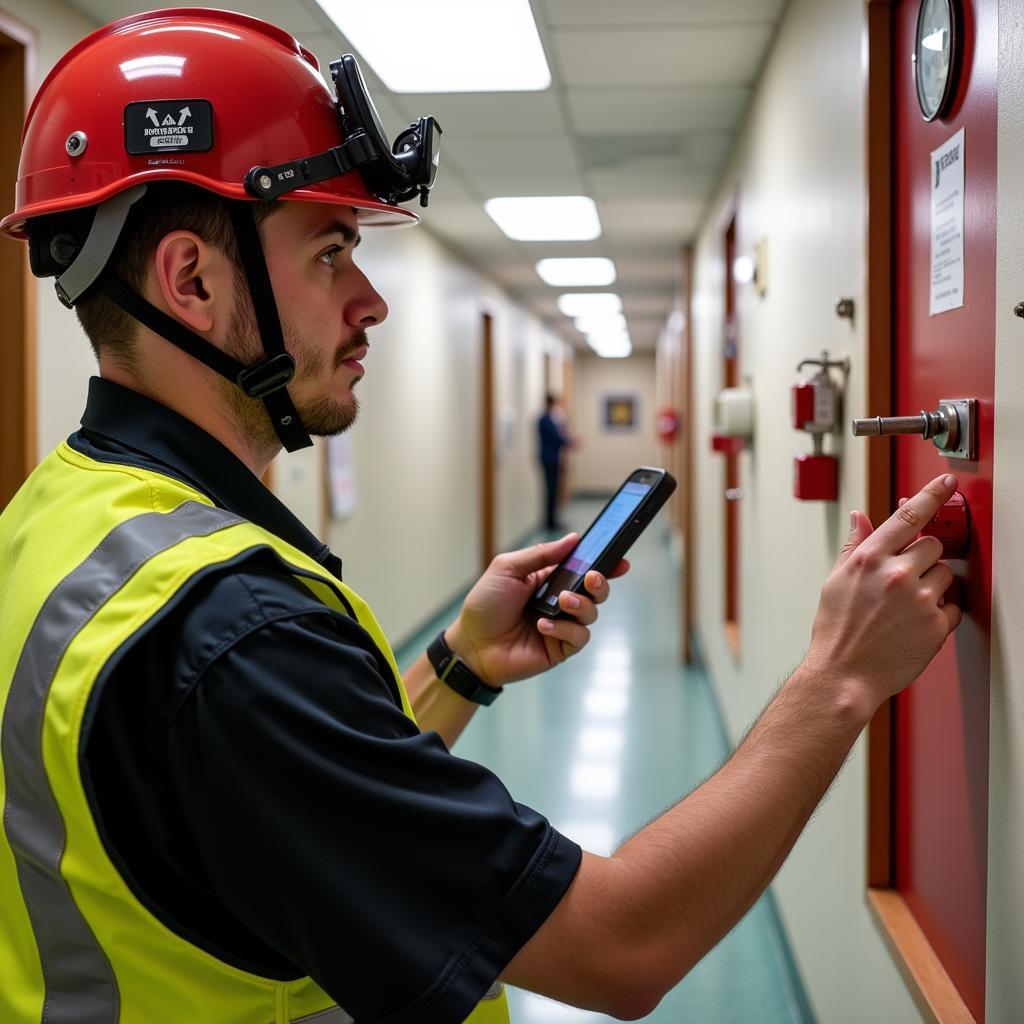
(266, 380)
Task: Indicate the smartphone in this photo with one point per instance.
(608, 537)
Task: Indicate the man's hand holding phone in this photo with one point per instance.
(626, 515)
(501, 644)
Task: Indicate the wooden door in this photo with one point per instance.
(940, 728)
(17, 287)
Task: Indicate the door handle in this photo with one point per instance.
(734, 494)
(952, 428)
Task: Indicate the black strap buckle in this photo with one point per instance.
(262, 379)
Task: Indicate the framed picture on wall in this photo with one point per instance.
(620, 413)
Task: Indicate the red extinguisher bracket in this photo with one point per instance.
(816, 402)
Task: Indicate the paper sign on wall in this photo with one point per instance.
(947, 181)
(341, 475)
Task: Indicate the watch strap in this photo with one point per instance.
(454, 672)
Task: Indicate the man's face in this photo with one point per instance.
(325, 303)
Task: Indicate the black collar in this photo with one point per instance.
(121, 425)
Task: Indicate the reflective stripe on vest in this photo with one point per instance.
(80, 985)
(104, 959)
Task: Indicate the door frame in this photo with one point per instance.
(931, 987)
(18, 401)
(488, 483)
(732, 608)
(684, 509)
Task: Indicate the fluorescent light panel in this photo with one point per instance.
(611, 346)
(592, 270)
(613, 353)
(546, 218)
(600, 323)
(584, 303)
(446, 46)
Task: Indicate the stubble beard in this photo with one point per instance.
(322, 416)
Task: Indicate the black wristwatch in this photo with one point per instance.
(451, 669)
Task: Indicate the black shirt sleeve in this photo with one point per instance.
(400, 877)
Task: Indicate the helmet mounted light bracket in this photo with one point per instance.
(394, 173)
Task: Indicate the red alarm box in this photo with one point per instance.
(816, 477)
(951, 525)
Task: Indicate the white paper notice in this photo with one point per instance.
(341, 473)
(947, 291)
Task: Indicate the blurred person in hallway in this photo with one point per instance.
(553, 438)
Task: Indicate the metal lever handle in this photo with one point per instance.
(951, 428)
(928, 424)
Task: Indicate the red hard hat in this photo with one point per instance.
(189, 95)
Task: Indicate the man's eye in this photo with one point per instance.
(328, 255)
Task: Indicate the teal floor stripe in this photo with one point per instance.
(606, 742)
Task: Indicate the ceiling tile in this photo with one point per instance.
(705, 152)
(293, 17)
(462, 217)
(535, 181)
(641, 306)
(655, 12)
(462, 115)
(628, 112)
(696, 56)
(663, 177)
(645, 335)
(650, 218)
(513, 154)
(651, 271)
(564, 250)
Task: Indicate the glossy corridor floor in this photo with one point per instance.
(605, 743)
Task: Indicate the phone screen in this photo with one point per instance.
(596, 539)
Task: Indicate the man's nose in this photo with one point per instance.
(366, 307)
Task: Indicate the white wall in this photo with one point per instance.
(1004, 995)
(605, 458)
(64, 358)
(796, 178)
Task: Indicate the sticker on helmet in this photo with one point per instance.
(161, 126)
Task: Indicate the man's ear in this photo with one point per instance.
(191, 279)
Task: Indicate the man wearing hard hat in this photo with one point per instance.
(218, 806)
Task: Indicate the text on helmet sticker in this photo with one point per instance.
(161, 126)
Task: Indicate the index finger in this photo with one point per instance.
(907, 521)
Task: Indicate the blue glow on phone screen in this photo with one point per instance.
(596, 539)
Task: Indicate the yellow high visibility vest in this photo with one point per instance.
(90, 552)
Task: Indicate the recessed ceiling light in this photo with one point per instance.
(546, 218)
(611, 350)
(600, 323)
(584, 303)
(448, 46)
(593, 270)
(610, 344)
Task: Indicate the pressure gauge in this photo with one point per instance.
(935, 55)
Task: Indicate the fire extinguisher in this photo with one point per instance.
(816, 401)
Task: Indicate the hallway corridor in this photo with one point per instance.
(610, 740)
